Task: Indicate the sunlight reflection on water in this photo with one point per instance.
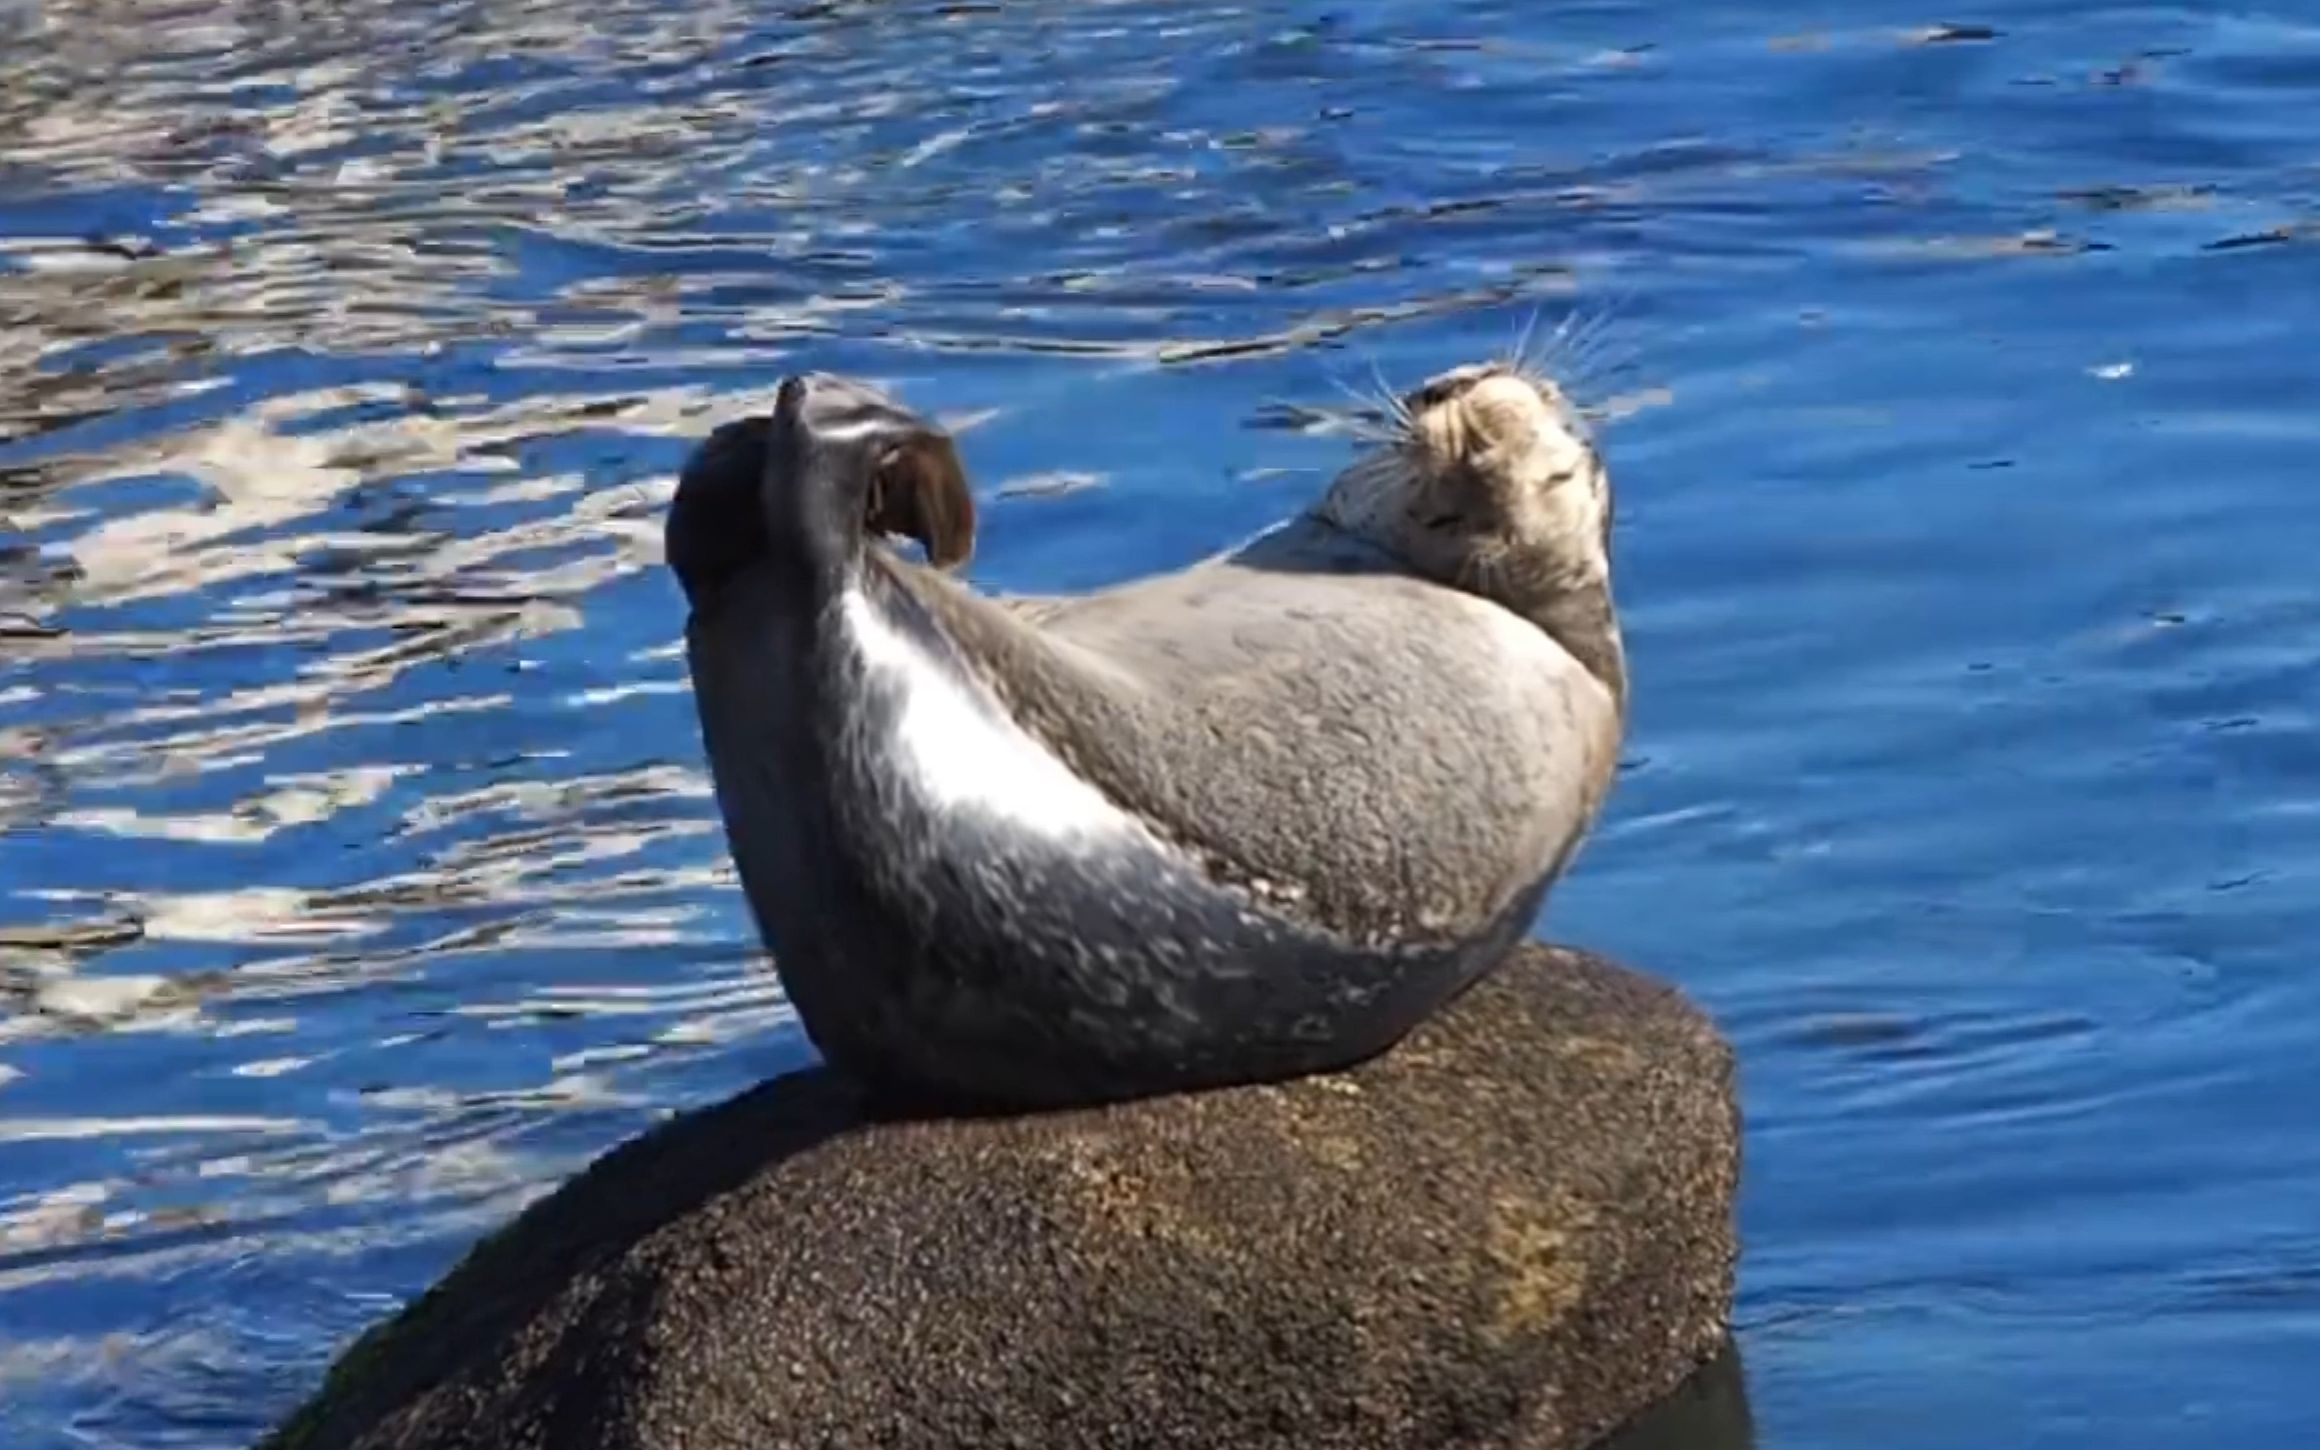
(358, 873)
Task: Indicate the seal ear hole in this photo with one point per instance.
(919, 491)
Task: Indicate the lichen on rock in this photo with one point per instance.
(1514, 1229)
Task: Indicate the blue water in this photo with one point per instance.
(357, 864)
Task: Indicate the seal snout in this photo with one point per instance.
(1479, 412)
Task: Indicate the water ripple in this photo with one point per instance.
(358, 873)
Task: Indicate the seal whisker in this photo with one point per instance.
(1580, 329)
(1618, 309)
(1484, 572)
(1366, 423)
(1586, 350)
(1519, 360)
(1391, 401)
(1584, 354)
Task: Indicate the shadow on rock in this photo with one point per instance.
(1514, 1229)
(1708, 1412)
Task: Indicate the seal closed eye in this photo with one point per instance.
(1247, 820)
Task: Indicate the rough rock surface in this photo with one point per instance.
(1514, 1229)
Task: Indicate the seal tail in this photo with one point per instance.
(846, 462)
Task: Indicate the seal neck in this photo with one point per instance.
(1582, 618)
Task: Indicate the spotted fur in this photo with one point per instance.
(1244, 820)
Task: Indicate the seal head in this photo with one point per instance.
(1242, 821)
(1495, 486)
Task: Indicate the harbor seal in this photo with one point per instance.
(1247, 820)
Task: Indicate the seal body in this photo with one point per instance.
(1244, 821)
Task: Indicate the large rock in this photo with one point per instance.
(1710, 1412)
(1514, 1229)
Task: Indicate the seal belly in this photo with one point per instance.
(1410, 801)
(969, 917)
(960, 751)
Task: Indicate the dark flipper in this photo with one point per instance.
(836, 461)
